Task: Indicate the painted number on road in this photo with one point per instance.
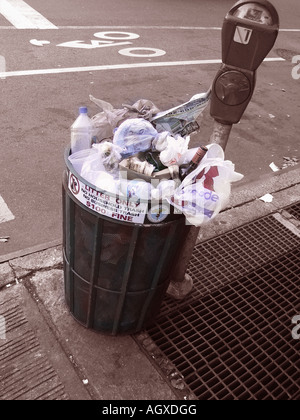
(94, 43)
(109, 38)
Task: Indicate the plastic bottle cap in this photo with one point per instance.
(83, 110)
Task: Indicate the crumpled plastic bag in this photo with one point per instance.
(106, 121)
(174, 150)
(110, 118)
(110, 156)
(200, 200)
(143, 108)
(101, 166)
(135, 135)
(79, 158)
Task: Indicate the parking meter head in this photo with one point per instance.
(249, 32)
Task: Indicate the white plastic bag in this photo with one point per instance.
(101, 166)
(175, 149)
(79, 158)
(200, 200)
(110, 156)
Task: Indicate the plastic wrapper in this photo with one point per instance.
(200, 200)
(134, 135)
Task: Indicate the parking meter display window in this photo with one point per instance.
(254, 12)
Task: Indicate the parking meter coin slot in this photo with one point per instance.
(232, 91)
(232, 88)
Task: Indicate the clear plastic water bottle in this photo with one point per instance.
(81, 131)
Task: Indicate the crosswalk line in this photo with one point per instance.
(23, 16)
(5, 213)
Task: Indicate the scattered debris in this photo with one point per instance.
(4, 238)
(267, 198)
(274, 167)
(289, 161)
(272, 116)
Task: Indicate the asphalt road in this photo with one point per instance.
(43, 85)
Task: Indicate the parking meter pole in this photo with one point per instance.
(220, 134)
(182, 283)
(249, 32)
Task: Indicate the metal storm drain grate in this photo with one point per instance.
(221, 260)
(294, 210)
(231, 339)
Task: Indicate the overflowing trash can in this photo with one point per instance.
(132, 189)
(116, 268)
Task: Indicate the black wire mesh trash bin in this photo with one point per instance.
(116, 272)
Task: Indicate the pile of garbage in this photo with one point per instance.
(140, 153)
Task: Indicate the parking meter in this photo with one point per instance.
(249, 32)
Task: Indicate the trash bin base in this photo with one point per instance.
(116, 274)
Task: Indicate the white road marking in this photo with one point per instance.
(5, 213)
(184, 28)
(94, 43)
(23, 16)
(117, 67)
(133, 52)
(39, 43)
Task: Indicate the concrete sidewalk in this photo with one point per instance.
(46, 354)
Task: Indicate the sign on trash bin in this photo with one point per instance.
(132, 211)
